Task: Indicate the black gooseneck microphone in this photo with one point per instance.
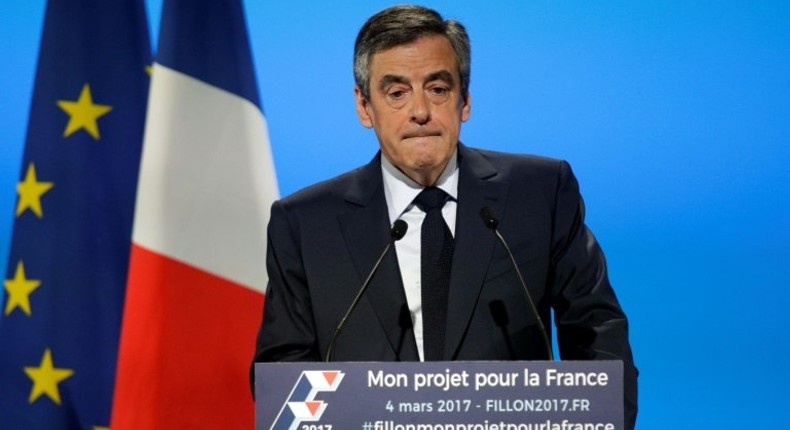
(397, 232)
(492, 222)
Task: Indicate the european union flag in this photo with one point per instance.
(60, 321)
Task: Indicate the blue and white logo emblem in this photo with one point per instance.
(301, 405)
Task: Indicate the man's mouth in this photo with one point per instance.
(422, 133)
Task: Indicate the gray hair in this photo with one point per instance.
(400, 25)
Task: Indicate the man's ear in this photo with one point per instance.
(466, 109)
(362, 105)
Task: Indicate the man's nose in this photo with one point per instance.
(420, 109)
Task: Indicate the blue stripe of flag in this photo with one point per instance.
(207, 44)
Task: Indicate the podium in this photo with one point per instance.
(458, 395)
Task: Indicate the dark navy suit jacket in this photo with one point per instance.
(323, 241)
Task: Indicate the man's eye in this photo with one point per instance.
(439, 91)
(397, 94)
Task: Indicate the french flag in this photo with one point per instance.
(197, 271)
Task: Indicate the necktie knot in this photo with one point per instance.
(431, 198)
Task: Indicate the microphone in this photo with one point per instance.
(492, 222)
(397, 232)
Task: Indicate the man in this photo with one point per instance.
(412, 88)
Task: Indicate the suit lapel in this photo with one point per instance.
(474, 242)
(366, 228)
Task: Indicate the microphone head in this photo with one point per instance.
(398, 229)
(489, 218)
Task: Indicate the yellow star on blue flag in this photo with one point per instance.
(46, 378)
(19, 289)
(30, 191)
(83, 113)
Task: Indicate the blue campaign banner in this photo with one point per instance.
(512, 395)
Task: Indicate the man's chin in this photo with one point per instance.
(425, 171)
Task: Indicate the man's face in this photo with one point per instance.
(415, 106)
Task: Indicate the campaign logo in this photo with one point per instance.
(301, 405)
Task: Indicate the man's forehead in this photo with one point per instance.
(431, 55)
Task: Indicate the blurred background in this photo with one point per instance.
(674, 115)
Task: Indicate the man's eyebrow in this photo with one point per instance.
(441, 75)
(388, 80)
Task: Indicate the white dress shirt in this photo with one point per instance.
(400, 192)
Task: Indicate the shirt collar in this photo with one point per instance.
(400, 190)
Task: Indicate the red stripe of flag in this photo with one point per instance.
(177, 317)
